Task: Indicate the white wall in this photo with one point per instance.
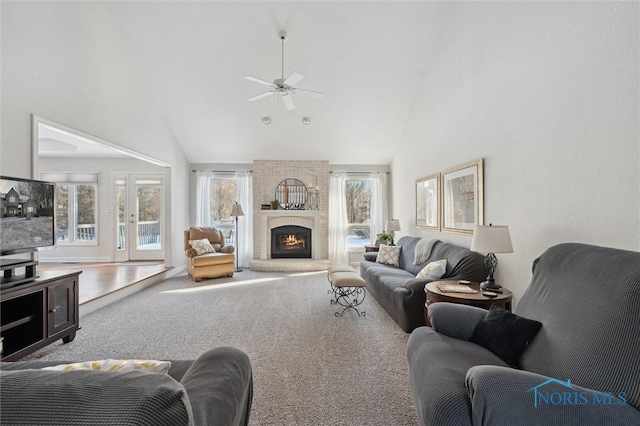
(65, 62)
(547, 94)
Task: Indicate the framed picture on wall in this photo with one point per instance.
(462, 197)
(428, 202)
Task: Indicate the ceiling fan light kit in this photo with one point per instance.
(285, 88)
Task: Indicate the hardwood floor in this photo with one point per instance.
(100, 279)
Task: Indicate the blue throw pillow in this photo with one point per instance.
(505, 334)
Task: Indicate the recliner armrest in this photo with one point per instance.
(506, 396)
(228, 249)
(455, 320)
(191, 252)
(219, 385)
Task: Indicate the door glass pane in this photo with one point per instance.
(62, 212)
(61, 302)
(121, 197)
(149, 209)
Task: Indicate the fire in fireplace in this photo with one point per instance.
(290, 242)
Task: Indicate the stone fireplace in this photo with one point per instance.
(290, 242)
(267, 175)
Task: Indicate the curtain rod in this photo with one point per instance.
(359, 173)
(221, 171)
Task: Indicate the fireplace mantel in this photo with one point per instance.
(273, 218)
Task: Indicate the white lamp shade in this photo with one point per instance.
(236, 210)
(392, 225)
(491, 239)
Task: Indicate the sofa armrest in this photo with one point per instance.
(506, 396)
(191, 252)
(220, 387)
(228, 249)
(455, 320)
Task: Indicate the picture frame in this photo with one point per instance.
(428, 202)
(463, 197)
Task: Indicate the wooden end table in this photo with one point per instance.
(434, 295)
(368, 249)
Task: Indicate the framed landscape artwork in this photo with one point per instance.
(462, 197)
(428, 202)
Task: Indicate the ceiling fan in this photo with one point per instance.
(285, 88)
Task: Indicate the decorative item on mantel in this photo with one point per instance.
(292, 194)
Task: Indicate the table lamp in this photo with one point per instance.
(491, 239)
(391, 227)
(236, 211)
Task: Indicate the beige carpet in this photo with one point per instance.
(310, 367)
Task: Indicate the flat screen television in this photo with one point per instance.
(27, 215)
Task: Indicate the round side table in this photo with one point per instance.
(434, 295)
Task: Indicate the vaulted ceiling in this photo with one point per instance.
(368, 58)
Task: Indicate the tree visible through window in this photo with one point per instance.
(358, 193)
(223, 197)
(76, 219)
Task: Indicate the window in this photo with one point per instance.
(223, 197)
(358, 193)
(76, 218)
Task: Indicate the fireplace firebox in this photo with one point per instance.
(290, 242)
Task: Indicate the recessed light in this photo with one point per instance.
(266, 120)
(306, 121)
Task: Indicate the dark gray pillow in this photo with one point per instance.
(505, 334)
(83, 397)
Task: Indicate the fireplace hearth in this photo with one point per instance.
(290, 242)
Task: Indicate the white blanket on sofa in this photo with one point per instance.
(423, 250)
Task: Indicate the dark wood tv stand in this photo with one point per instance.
(37, 313)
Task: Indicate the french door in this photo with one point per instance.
(139, 219)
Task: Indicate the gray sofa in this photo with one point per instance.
(581, 368)
(214, 389)
(398, 290)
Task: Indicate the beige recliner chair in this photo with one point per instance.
(209, 265)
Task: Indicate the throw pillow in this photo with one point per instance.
(434, 270)
(116, 365)
(202, 246)
(389, 255)
(505, 334)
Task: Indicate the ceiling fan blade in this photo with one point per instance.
(317, 95)
(293, 79)
(257, 80)
(288, 102)
(262, 95)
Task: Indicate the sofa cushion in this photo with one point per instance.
(389, 255)
(213, 259)
(202, 246)
(434, 270)
(83, 397)
(505, 334)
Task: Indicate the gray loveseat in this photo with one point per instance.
(215, 389)
(581, 368)
(398, 290)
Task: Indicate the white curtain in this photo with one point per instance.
(379, 209)
(244, 196)
(203, 199)
(338, 254)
